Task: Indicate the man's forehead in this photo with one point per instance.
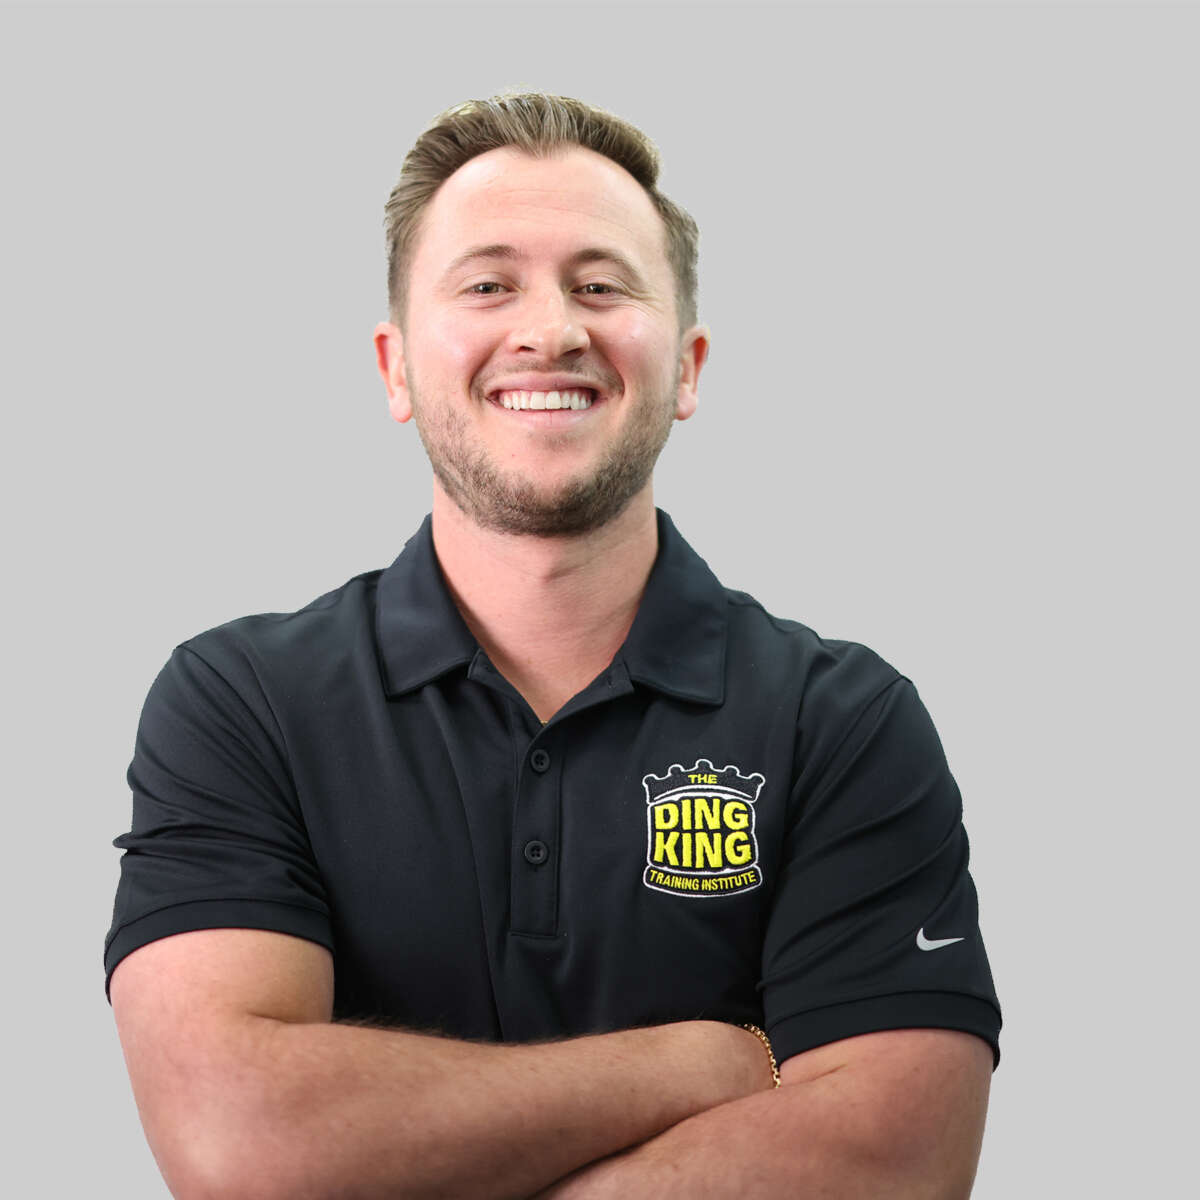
(510, 167)
(499, 194)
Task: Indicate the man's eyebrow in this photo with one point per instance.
(495, 250)
(589, 254)
(592, 254)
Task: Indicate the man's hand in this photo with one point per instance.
(246, 1089)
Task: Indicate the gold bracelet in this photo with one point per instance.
(762, 1037)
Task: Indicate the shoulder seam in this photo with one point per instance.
(279, 735)
(854, 724)
(785, 625)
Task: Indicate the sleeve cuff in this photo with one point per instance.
(908, 1010)
(215, 914)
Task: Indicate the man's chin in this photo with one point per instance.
(566, 511)
(547, 520)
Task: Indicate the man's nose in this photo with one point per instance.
(549, 325)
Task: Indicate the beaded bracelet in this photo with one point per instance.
(762, 1037)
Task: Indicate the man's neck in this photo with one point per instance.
(550, 612)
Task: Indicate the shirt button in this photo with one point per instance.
(536, 852)
(539, 760)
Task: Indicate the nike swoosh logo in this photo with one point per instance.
(924, 943)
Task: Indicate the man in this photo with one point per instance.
(468, 878)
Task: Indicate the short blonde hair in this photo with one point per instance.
(538, 124)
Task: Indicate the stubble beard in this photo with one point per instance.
(508, 503)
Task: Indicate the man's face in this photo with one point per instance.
(532, 277)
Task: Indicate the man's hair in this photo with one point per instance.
(540, 125)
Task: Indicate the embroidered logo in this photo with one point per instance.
(700, 831)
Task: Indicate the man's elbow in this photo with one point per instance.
(944, 1171)
(929, 1149)
(228, 1126)
(897, 1114)
(215, 1161)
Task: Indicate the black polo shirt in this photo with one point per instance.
(737, 820)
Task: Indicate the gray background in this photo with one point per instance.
(950, 261)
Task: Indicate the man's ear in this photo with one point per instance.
(389, 355)
(693, 353)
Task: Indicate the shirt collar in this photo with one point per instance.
(418, 629)
(676, 644)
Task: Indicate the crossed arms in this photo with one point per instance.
(248, 1090)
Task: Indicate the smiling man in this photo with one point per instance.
(515, 868)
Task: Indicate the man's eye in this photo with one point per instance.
(478, 289)
(598, 289)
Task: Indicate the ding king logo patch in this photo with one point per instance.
(700, 831)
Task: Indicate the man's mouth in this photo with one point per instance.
(574, 398)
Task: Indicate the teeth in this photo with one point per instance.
(540, 401)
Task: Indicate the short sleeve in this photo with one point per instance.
(217, 837)
(875, 921)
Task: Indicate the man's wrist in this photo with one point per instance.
(766, 1041)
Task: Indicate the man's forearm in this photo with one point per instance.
(903, 1121)
(757, 1148)
(297, 1110)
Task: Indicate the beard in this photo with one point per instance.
(508, 502)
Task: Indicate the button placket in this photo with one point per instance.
(536, 845)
